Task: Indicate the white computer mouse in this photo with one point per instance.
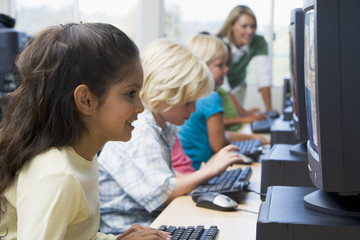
(216, 201)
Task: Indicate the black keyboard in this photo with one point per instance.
(233, 183)
(251, 148)
(261, 126)
(272, 114)
(191, 232)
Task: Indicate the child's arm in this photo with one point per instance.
(216, 131)
(214, 167)
(237, 105)
(46, 206)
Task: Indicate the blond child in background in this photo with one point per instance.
(204, 133)
(136, 178)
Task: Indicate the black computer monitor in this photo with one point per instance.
(12, 43)
(332, 90)
(296, 31)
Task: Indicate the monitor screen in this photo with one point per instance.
(310, 80)
(332, 95)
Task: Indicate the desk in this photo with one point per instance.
(182, 211)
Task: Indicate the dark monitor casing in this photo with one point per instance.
(11, 44)
(336, 166)
(297, 73)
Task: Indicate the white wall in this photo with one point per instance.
(254, 99)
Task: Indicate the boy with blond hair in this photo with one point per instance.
(136, 177)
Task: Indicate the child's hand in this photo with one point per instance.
(259, 116)
(253, 111)
(222, 159)
(138, 232)
(263, 140)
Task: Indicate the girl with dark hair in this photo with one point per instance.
(79, 89)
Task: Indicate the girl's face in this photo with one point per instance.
(219, 68)
(243, 30)
(113, 120)
(176, 115)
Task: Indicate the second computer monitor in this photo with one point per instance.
(296, 31)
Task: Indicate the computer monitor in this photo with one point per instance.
(12, 43)
(296, 31)
(332, 90)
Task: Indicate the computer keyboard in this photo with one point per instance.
(272, 114)
(191, 232)
(251, 148)
(261, 126)
(233, 183)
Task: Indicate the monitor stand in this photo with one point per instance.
(283, 216)
(299, 150)
(288, 113)
(281, 168)
(282, 132)
(333, 203)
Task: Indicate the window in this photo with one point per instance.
(33, 16)
(281, 44)
(185, 18)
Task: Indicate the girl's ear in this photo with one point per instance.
(84, 99)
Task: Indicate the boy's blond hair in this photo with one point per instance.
(172, 75)
(207, 47)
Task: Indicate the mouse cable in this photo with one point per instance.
(261, 194)
(240, 209)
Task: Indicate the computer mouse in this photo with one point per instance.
(245, 158)
(216, 201)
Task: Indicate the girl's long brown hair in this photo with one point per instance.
(41, 113)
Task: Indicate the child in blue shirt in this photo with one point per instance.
(204, 133)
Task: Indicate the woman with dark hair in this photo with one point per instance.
(79, 88)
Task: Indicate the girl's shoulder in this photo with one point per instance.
(214, 96)
(55, 161)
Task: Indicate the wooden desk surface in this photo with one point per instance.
(240, 224)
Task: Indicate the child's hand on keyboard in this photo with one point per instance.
(221, 160)
(251, 118)
(138, 232)
(263, 140)
(252, 111)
